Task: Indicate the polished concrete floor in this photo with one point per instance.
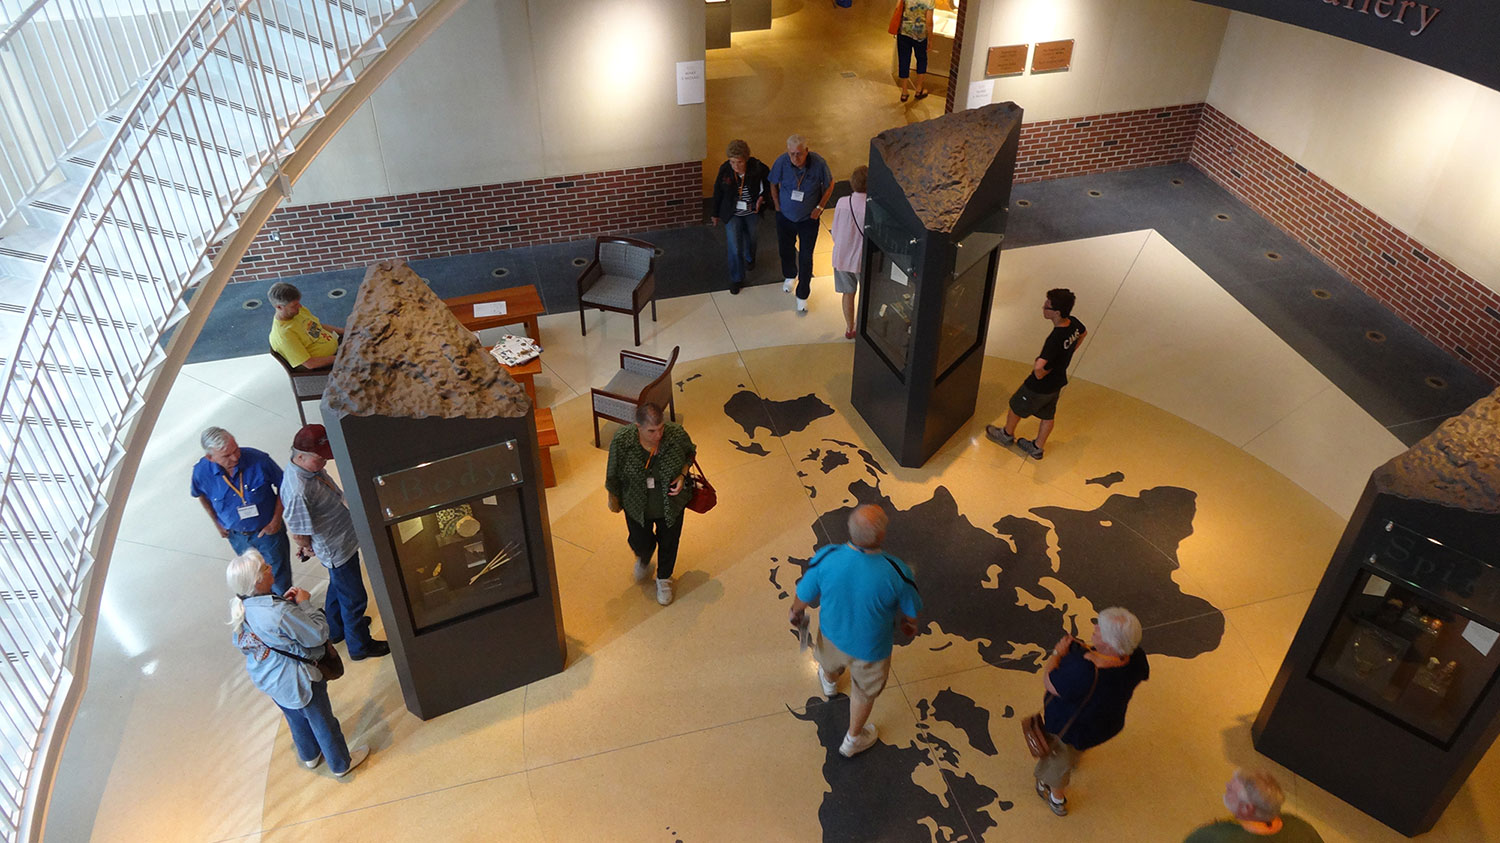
(701, 721)
(821, 71)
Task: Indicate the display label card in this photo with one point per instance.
(690, 89)
(494, 308)
(1482, 637)
(1052, 56)
(980, 93)
(1376, 586)
(408, 529)
(1006, 61)
(897, 275)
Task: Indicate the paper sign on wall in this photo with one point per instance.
(980, 93)
(689, 82)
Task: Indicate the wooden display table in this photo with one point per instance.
(522, 306)
(525, 375)
(546, 437)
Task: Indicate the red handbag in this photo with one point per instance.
(896, 14)
(704, 497)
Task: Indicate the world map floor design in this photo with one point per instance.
(1010, 590)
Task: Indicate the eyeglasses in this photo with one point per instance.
(1048, 306)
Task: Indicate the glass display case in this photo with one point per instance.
(458, 529)
(964, 298)
(1407, 642)
(891, 302)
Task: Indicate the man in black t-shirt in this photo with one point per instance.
(1037, 395)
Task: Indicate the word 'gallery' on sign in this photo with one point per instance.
(1397, 11)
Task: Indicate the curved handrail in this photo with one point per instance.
(139, 234)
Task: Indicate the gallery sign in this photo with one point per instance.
(1459, 36)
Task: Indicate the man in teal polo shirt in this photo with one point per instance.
(864, 595)
(801, 184)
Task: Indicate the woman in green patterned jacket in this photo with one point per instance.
(647, 478)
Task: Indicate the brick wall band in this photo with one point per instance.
(1104, 143)
(1446, 305)
(440, 223)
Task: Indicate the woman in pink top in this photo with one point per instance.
(849, 244)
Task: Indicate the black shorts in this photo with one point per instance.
(1027, 402)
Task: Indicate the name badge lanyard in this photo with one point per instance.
(240, 491)
(651, 481)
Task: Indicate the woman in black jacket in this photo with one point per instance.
(741, 189)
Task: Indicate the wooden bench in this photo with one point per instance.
(546, 437)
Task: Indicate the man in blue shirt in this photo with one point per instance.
(801, 184)
(239, 488)
(864, 594)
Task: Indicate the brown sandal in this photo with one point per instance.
(921, 94)
(903, 96)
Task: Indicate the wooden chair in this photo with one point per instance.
(307, 384)
(621, 278)
(642, 379)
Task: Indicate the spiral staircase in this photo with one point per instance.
(143, 143)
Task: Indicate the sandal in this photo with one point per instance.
(904, 95)
(921, 94)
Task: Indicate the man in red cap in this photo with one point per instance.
(320, 525)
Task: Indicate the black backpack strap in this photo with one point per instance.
(900, 573)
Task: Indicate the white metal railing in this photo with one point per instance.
(221, 106)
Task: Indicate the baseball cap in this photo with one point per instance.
(313, 438)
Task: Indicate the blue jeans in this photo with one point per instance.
(796, 241)
(740, 232)
(315, 730)
(274, 549)
(345, 606)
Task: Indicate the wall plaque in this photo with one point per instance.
(1006, 61)
(1051, 56)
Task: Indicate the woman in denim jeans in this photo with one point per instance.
(264, 623)
(740, 191)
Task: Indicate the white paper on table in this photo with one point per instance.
(981, 93)
(494, 308)
(690, 82)
(1376, 586)
(408, 528)
(897, 275)
(1482, 637)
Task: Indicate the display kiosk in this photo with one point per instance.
(1388, 697)
(437, 450)
(934, 220)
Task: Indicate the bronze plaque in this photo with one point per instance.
(1006, 61)
(1052, 55)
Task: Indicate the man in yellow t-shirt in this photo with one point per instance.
(296, 334)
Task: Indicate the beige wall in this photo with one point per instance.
(1127, 54)
(509, 90)
(1413, 144)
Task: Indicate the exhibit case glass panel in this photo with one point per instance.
(458, 528)
(1414, 640)
(889, 304)
(963, 299)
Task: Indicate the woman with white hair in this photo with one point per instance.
(1088, 690)
(276, 634)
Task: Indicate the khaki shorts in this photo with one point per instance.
(1056, 769)
(866, 679)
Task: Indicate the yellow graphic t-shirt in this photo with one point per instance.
(302, 337)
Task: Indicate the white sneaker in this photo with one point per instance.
(313, 764)
(642, 569)
(664, 592)
(358, 755)
(788, 284)
(830, 686)
(855, 744)
(801, 307)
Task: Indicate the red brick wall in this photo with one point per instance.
(438, 223)
(1102, 143)
(1446, 305)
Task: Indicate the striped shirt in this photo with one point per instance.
(313, 505)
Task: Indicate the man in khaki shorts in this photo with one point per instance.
(862, 595)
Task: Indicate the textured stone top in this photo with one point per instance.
(1457, 465)
(404, 355)
(939, 163)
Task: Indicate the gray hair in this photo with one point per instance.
(282, 294)
(241, 575)
(1263, 794)
(796, 142)
(867, 525)
(214, 438)
(648, 413)
(737, 149)
(1120, 630)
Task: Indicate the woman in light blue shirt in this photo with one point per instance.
(274, 632)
